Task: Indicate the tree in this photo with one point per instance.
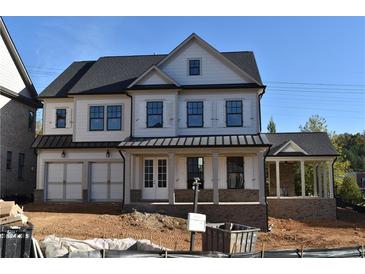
(350, 191)
(315, 123)
(271, 127)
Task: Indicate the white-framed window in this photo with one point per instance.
(194, 66)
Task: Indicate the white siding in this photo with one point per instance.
(213, 70)
(9, 74)
(222, 173)
(49, 116)
(251, 172)
(82, 132)
(214, 112)
(153, 78)
(208, 173)
(180, 173)
(140, 114)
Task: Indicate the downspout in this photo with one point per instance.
(131, 116)
(260, 96)
(267, 206)
(121, 154)
(333, 183)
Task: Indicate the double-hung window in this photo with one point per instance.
(235, 172)
(194, 67)
(195, 114)
(195, 169)
(114, 114)
(154, 114)
(96, 118)
(234, 113)
(60, 118)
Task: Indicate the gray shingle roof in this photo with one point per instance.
(314, 143)
(115, 74)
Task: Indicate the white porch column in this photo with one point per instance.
(171, 177)
(325, 180)
(261, 179)
(302, 177)
(315, 191)
(215, 168)
(277, 163)
(128, 181)
(320, 180)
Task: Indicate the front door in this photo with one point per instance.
(155, 179)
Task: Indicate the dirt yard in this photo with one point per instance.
(84, 221)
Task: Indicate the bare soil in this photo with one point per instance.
(83, 221)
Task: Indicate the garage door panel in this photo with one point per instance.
(55, 191)
(99, 172)
(74, 173)
(73, 191)
(55, 173)
(116, 172)
(116, 191)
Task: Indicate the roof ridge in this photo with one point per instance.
(298, 132)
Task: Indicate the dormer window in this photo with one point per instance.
(194, 67)
(60, 118)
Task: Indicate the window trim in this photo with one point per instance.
(120, 118)
(65, 109)
(243, 172)
(187, 114)
(227, 125)
(200, 66)
(90, 129)
(147, 115)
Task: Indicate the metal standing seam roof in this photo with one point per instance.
(195, 141)
(114, 74)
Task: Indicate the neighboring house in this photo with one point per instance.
(18, 106)
(139, 129)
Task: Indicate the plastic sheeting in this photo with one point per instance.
(53, 246)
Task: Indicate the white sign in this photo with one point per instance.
(196, 222)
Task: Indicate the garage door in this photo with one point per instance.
(64, 181)
(106, 181)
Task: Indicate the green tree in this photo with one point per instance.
(350, 191)
(271, 127)
(315, 123)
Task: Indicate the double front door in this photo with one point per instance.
(155, 179)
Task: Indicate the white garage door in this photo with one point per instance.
(64, 181)
(106, 181)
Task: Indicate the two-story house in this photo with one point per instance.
(139, 129)
(18, 104)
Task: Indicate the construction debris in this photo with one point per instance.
(11, 214)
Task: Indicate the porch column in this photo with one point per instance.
(277, 163)
(325, 180)
(128, 176)
(302, 177)
(261, 179)
(320, 180)
(315, 180)
(171, 178)
(215, 168)
(331, 179)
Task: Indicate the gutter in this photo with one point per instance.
(121, 154)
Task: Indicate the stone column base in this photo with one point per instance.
(38, 196)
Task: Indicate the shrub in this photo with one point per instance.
(349, 191)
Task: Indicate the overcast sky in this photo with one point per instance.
(311, 65)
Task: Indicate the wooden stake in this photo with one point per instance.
(301, 251)
(175, 247)
(263, 250)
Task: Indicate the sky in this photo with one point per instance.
(310, 65)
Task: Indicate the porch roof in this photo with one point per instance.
(246, 140)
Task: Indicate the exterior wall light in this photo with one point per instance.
(107, 154)
(63, 154)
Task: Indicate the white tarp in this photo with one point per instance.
(53, 246)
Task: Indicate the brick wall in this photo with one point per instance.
(287, 174)
(297, 208)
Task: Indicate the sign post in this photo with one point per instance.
(191, 218)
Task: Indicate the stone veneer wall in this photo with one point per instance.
(302, 208)
(251, 215)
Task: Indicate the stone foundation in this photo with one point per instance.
(136, 195)
(85, 195)
(252, 215)
(238, 195)
(302, 208)
(38, 196)
(187, 195)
